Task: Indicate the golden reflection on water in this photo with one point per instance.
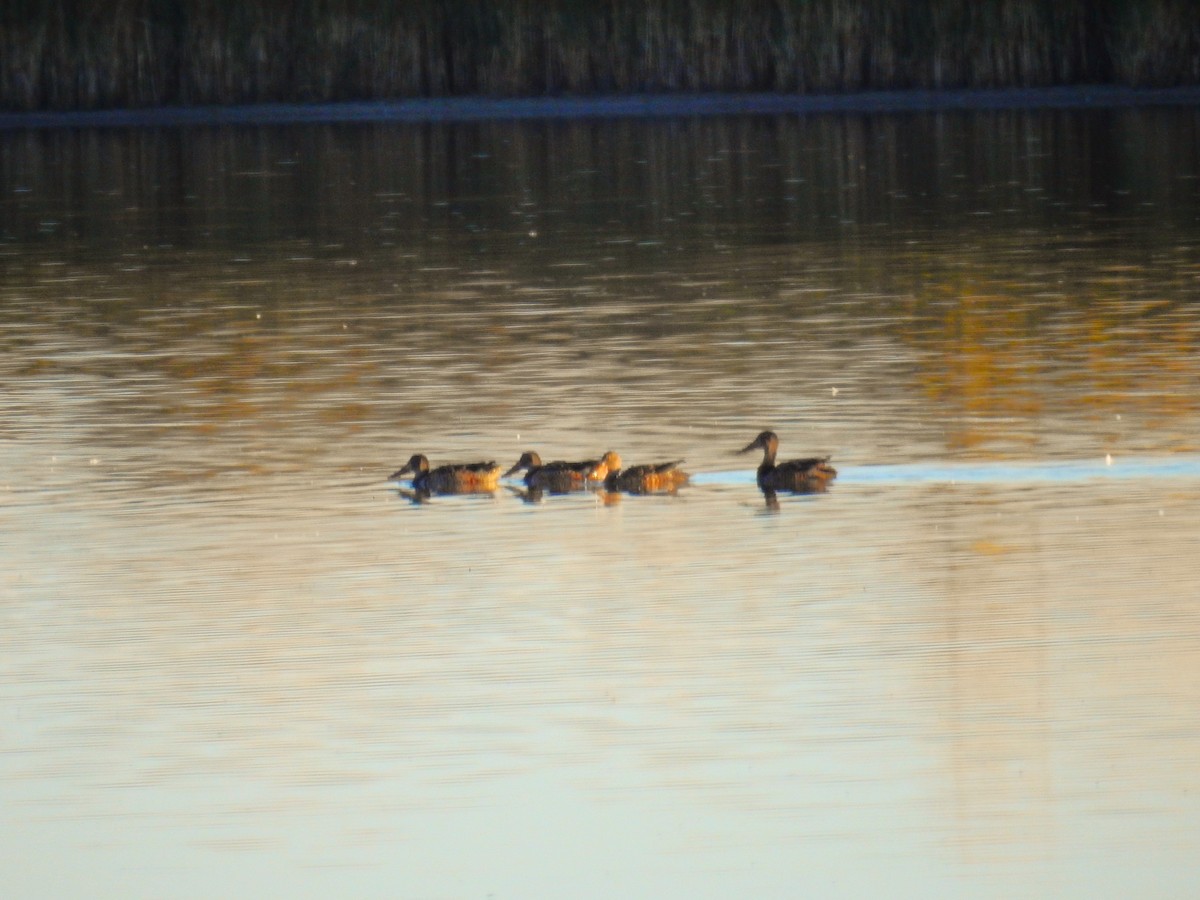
(998, 356)
(318, 358)
(223, 626)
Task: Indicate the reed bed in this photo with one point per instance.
(95, 54)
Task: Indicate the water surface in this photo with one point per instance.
(236, 655)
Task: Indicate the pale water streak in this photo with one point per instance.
(238, 661)
(1182, 466)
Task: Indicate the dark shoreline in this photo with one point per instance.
(469, 109)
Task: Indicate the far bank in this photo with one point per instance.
(72, 55)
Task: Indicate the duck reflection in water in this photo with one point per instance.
(650, 478)
(461, 478)
(797, 476)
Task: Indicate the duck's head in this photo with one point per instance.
(416, 464)
(528, 460)
(767, 441)
(610, 462)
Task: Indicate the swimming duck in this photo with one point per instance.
(557, 477)
(461, 478)
(645, 479)
(799, 475)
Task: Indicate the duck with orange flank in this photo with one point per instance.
(558, 477)
(459, 478)
(650, 478)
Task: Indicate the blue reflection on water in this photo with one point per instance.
(993, 473)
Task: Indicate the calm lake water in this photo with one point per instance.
(237, 661)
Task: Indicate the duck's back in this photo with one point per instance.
(559, 477)
(480, 476)
(647, 478)
(811, 474)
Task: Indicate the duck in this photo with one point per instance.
(798, 475)
(557, 477)
(460, 478)
(644, 479)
